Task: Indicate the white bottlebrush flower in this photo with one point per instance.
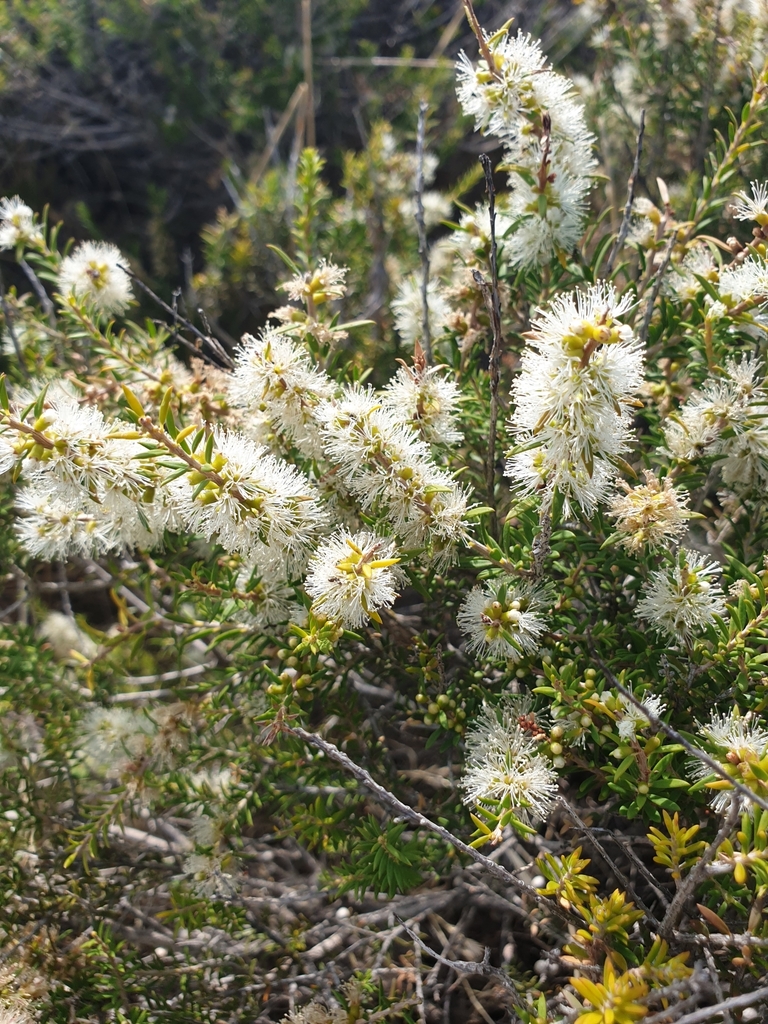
(650, 515)
(572, 418)
(407, 310)
(727, 418)
(17, 224)
(685, 600)
(495, 96)
(681, 281)
(255, 505)
(387, 467)
(64, 635)
(424, 398)
(111, 738)
(324, 283)
(755, 206)
(549, 147)
(275, 375)
(631, 717)
(549, 221)
(502, 621)
(744, 282)
(503, 763)
(93, 274)
(353, 576)
(82, 450)
(56, 524)
(741, 743)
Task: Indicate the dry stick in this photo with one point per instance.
(620, 876)
(450, 30)
(8, 317)
(219, 351)
(727, 1018)
(299, 96)
(388, 62)
(416, 818)
(673, 734)
(706, 1014)
(421, 226)
(468, 966)
(481, 40)
(677, 906)
(306, 49)
(42, 295)
(624, 230)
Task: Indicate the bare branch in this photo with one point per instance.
(416, 818)
(623, 231)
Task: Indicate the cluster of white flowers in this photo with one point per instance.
(685, 600)
(86, 492)
(572, 418)
(351, 577)
(94, 274)
(651, 515)
(314, 287)
(512, 93)
(17, 224)
(745, 281)
(424, 398)
(741, 743)
(275, 378)
(472, 242)
(728, 419)
(389, 469)
(251, 503)
(502, 621)
(503, 762)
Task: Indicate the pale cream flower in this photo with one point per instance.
(94, 274)
(651, 515)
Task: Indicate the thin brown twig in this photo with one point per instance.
(480, 36)
(216, 347)
(707, 1013)
(493, 302)
(306, 49)
(624, 229)
(416, 818)
(698, 873)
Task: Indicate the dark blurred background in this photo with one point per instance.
(132, 117)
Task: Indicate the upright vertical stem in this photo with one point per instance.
(306, 42)
(426, 336)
